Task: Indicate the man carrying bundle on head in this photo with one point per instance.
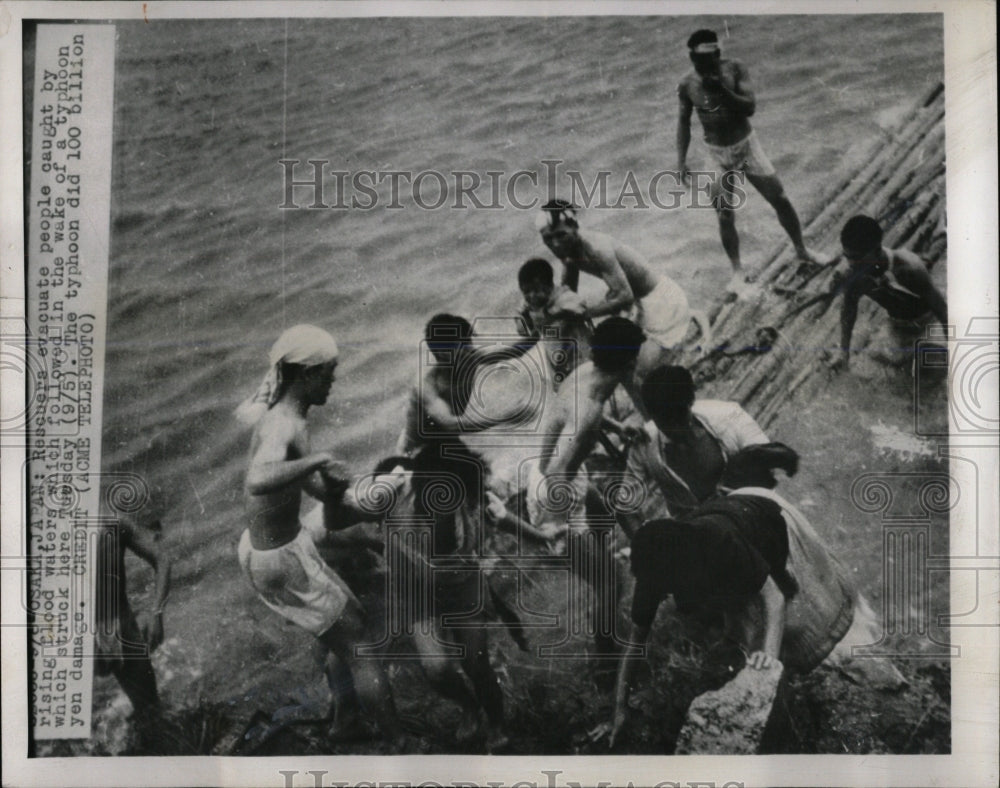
(277, 554)
(655, 302)
(897, 280)
(723, 94)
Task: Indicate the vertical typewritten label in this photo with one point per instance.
(67, 276)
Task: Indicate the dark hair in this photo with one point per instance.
(666, 389)
(861, 234)
(536, 268)
(446, 332)
(702, 36)
(615, 344)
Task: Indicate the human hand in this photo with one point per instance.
(495, 508)
(633, 429)
(839, 360)
(610, 729)
(760, 660)
(151, 629)
(712, 81)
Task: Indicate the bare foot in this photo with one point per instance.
(807, 255)
(497, 741)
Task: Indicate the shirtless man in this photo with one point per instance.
(722, 92)
(656, 303)
(438, 409)
(896, 279)
(278, 555)
(558, 482)
(124, 641)
(693, 444)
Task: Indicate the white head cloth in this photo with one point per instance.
(306, 345)
(548, 218)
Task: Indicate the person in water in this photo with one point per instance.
(722, 92)
(439, 406)
(123, 642)
(277, 554)
(897, 280)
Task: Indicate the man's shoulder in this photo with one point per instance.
(904, 257)
(686, 80)
(733, 65)
(716, 407)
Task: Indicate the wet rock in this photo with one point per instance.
(731, 720)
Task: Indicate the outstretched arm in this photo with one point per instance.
(496, 353)
(145, 544)
(774, 626)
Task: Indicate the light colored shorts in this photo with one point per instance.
(294, 581)
(556, 501)
(746, 156)
(664, 314)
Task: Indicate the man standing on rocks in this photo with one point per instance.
(722, 92)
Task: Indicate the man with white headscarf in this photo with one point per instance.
(277, 553)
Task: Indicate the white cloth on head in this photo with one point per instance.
(308, 346)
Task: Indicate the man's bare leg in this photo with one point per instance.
(370, 681)
(773, 191)
(344, 713)
(446, 677)
(730, 238)
(476, 664)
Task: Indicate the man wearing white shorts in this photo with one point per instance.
(279, 556)
(722, 92)
(655, 302)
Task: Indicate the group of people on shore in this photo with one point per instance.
(713, 534)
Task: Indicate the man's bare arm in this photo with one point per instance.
(741, 97)
(144, 544)
(774, 625)
(848, 316)
(495, 353)
(683, 130)
(573, 445)
(270, 471)
(571, 277)
(911, 272)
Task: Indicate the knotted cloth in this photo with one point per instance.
(305, 345)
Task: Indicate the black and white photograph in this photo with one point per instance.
(502, 380)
